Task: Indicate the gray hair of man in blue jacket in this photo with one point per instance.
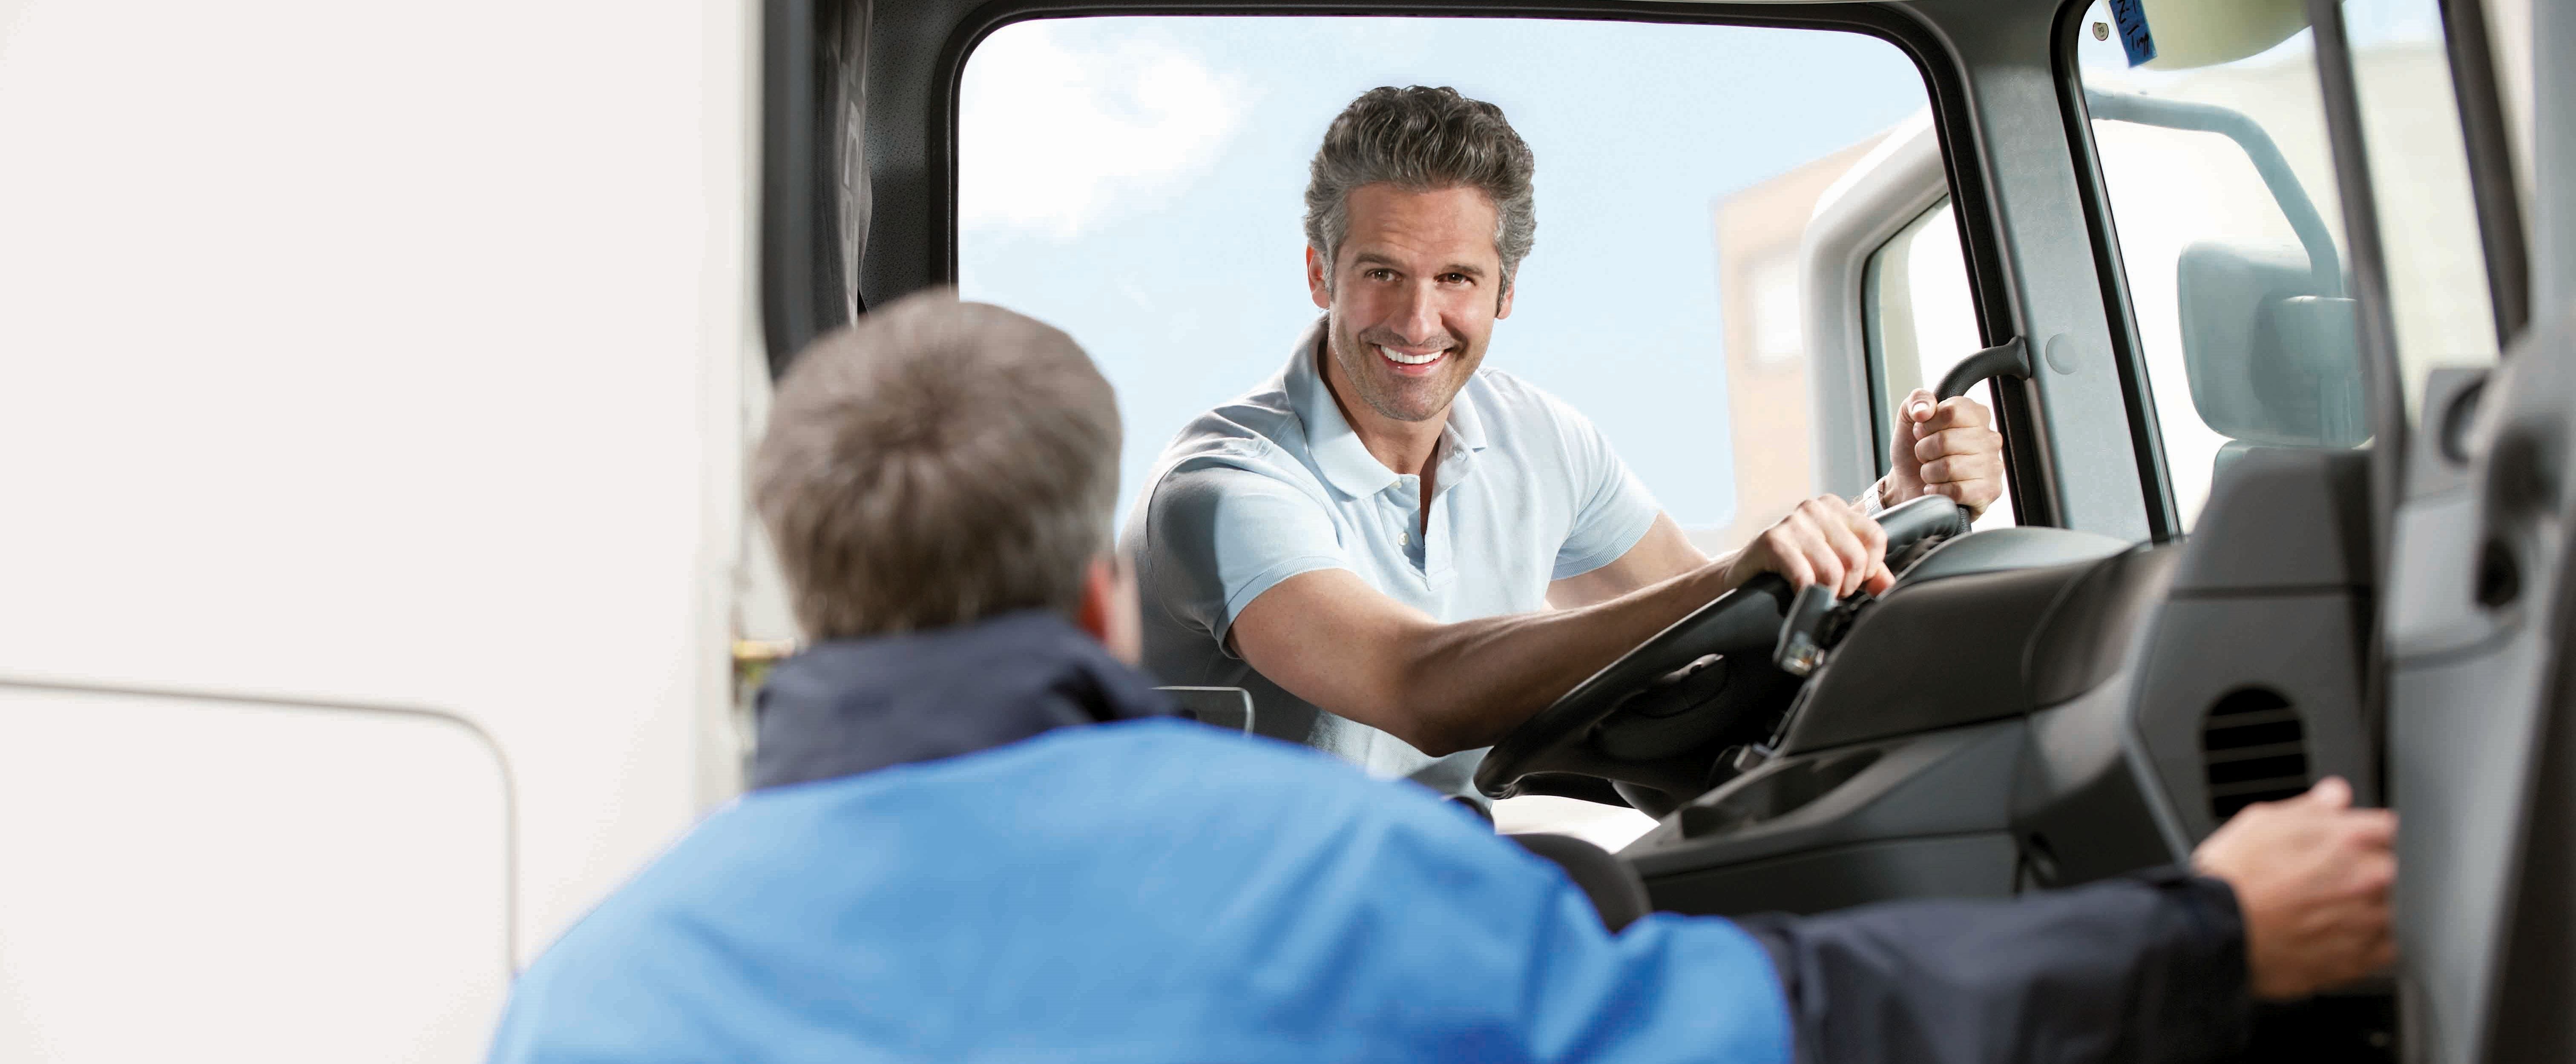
(940, 462)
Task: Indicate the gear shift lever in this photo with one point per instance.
(1815, 622)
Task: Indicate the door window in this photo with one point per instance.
(1920, 320)
(2220, 180)
(2419, 171)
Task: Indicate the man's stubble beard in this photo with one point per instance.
(1359, 365)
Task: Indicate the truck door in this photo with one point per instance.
(2478, 620)
(2352, 294)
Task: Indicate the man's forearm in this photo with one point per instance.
(1469, 683)
(2145, 970)
(1333, 640)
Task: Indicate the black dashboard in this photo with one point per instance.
(1968, 737)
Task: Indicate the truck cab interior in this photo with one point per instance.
(2284, 390)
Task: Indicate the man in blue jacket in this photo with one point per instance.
(975, 834)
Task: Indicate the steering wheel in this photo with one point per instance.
(1655, 718)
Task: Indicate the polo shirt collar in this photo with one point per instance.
(1339, 454)
(1466, 428)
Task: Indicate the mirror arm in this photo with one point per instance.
(2259, 149)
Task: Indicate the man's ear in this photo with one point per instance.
(1108, 609)
(1503, 306)
(1315, 285)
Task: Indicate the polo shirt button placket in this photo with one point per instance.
(1400, 504)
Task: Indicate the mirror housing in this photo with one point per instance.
(2271, 361)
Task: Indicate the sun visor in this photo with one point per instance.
(2198, 33)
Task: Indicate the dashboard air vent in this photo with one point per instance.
(2253, 749)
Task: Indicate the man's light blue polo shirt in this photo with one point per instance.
(1275, 484)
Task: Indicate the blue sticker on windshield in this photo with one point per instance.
(2132, 17)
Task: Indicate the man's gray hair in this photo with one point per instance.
(1421, 139)
(934, 464)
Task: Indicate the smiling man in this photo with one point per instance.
(1402, 553)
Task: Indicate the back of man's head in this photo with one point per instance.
(934, 464)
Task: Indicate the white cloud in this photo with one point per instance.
(1053, 134)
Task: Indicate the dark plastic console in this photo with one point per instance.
(1978, 641)
(2011, 718)
(1967, 738)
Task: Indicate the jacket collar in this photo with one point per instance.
(1345, 461)
(850, 706)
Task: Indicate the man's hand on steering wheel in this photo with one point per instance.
(1824, 541)
(1949, 448)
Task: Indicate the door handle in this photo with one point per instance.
(2010, 358)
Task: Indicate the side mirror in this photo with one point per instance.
(2272, 361)
(2267, 333)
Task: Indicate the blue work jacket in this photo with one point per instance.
(986, 844)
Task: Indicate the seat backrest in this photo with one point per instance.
(1618, 894)
(1225, 707)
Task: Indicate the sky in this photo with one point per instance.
(1139, 182)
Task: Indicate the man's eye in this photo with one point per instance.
(1381, 275)
(1454, 278)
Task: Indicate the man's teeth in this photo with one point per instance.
(1393, 355)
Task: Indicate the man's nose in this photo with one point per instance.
(1418, 320)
